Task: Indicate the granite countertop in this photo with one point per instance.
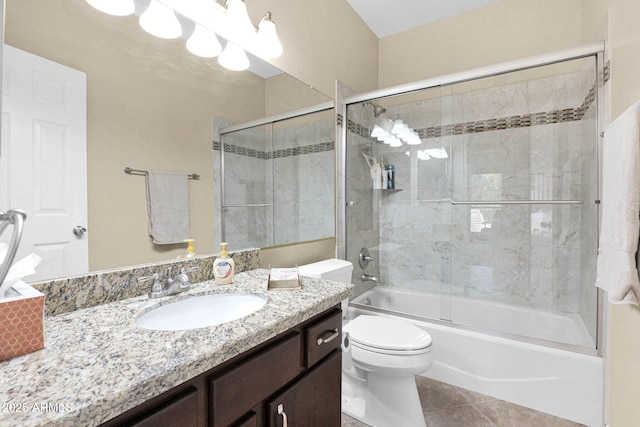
(97, 363)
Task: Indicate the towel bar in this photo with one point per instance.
(143, 172)
(516, 202)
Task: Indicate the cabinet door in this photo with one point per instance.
(240, 388)
(181, 411)
(312, 401)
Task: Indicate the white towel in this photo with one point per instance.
(168, 207)
(617, 271)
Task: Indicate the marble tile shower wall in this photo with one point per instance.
(288, 167)
(528, 255)
(247, 180)
(363, 206)
(304, 182)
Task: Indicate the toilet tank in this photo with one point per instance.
(335, 269)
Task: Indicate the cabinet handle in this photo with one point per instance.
(284, 416)
(333, 336)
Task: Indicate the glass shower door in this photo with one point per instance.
(524, 203)
(246, 190)
(405, 228)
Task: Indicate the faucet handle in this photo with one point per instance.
(157, 286)
(154, 276)
(184, 270)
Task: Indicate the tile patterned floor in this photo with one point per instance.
(447, 406)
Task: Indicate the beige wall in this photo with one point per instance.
(297, 94)
(499, 32)
(298, 254)
(617, 22)
(323, 41)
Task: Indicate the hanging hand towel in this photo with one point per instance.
(168, 207)
(617, 271)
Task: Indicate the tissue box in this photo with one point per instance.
(21, 317)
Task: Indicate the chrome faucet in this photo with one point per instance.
(172, 286)
(370, 278)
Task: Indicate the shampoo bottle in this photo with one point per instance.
(223, 267)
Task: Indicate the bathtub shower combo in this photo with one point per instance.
(488, 239)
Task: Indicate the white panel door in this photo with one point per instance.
(43, 157)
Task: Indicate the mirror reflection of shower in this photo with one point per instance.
(276, 179)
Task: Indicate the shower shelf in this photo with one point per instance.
(393, 190)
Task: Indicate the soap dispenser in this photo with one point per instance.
(191, 251)
(223, 267)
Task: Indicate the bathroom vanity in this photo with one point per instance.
(294, 375)
(99, 368)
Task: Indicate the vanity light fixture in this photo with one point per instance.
(203, 42)
(160, 21)
(162, 18)
(238, 24)
(233, 57)
(267, 41)
(114, 7)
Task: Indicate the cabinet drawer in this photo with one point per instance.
(322, 337)
(238, 390)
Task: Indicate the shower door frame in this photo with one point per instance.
(596, 49)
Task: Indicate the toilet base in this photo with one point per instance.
(382, 400)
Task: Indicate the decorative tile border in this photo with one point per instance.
(102, 287)
(501, 123)
(277, 154)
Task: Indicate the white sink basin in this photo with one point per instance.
(200, 312)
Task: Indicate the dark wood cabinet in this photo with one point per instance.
(242, 387)
(299, 369)
(180, 411)
(312, 401)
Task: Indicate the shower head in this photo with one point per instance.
(378, 111)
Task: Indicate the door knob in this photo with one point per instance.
(79, 230)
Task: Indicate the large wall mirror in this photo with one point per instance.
(150, 105)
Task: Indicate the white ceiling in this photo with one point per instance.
(387, 17)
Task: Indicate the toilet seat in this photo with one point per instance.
(387, 336)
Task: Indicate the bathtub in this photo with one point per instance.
(562, 383)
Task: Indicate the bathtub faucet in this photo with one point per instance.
(370, 278)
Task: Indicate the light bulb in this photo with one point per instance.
(267, 43)
(398, 127)
(238, 23)
(233, 57)
(414, 139)
(395, 142)
(114, 7)
(160, 21)
(203, 42)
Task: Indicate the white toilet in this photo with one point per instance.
(381, 356)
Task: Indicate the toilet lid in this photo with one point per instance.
(387, 333)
